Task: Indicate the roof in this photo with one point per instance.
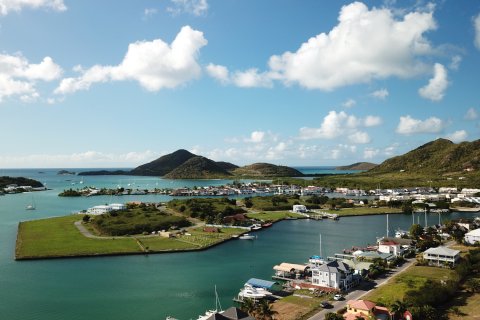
(259, 283)
(334, 266)
(236, 314)
(358, 265)
(287, 267)
(442, 251)
(361, 304)
(475, 232)
(389, 243)
(217, 316)
(375, 254)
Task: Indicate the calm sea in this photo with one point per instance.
(152, 287)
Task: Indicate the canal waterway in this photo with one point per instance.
(154, 286)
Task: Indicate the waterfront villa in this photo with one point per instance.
(473, 236)
(97, 210)
(391, 247)
(334, 274)
(440, 256)
(290, 270)
(365, 309)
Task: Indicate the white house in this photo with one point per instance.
(441, 255)
(473, 236)
(97, 210)
(299, 208)
(335, 274)
(390, 246)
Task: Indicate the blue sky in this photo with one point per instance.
(119, 83)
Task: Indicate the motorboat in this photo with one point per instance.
(259, 290)
(247, 236)
(256, 227)
(251, 293)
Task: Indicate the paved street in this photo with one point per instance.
(361, 290)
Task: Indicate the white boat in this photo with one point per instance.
(259, 290)
(31, 206)
(400, 233)
(218, 308)
(247, 236)
(256, 227)
(251, 293)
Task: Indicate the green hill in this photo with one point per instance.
(198, 168)
(358, 166)
(436, 157)
(266, 170)
(164, 164)
(19, 181)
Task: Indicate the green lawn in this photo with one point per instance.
(364, 211)
(413, 278)
(58, 237)
(273, 216)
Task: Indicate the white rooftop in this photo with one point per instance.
(444, 251)
(475, 232)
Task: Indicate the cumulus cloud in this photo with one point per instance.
(336, 124)
(476, 25)
(455, 63)
(409, 125)
(435, 89)
(194, 7)
(381, 94)
(457, 136)
(471, 114)
(7, 6)
(365, 45)
(154, 64)
(250, 78)
(370, 153)
(18, 77)
(349, 103)
(256, 137)
(218, 72)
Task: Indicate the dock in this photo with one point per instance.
(319, 215)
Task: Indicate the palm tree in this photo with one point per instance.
(248, 306)
(264, 310)
(398, 308)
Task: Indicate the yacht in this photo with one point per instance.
(218, 308)
(246, 236)
(251, 293)
(256, 227)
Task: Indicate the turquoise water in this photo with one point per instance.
(152, 287)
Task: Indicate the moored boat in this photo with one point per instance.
(247, 236)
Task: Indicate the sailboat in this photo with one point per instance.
(218, 308)
(317, 260)
(31, 206)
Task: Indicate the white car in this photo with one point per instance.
(337, 297)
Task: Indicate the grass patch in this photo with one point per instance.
(413, 278)
(165, 244)
(58, 237)
(356, 211)
(273, 216)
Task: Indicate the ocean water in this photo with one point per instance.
(154, 286)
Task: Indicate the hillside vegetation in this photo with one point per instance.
(266, 170)
(19, 181)
(358, 166)
(198, 168)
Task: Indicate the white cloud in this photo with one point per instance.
(256, 137)
(148, 12)
(409, 125)
(457, 136)
(370, 153)
(471, 114)
(154, 64)
(252, 78)
(7, 6)
(365, 45)
(340, 124)
(359, 137)
(435, 89)
(218, 72)
(476, 25)
(93, 159)
(381, 94)
(18, 77)
(349, 103)
(455, 63)
(194, 7)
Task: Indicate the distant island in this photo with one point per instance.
(19, 185)
(358, 166)
(65, 173)
(183, 164)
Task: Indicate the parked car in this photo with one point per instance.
(325, 305)
(337, 297)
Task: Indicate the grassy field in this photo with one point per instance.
(294, 307)
(59, 237)
(359, 211)
(273, 216)
(413, 278)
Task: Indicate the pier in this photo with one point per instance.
(319, 215)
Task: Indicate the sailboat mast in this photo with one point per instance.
(387, 226)
(321, 256)
(425, 218)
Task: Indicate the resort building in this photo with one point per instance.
(391, 247)
(365, 309)
(440, 256)
(473, 236)
(102, 209)
(298, 208)
(334, 274)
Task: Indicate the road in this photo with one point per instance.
(364, 288)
